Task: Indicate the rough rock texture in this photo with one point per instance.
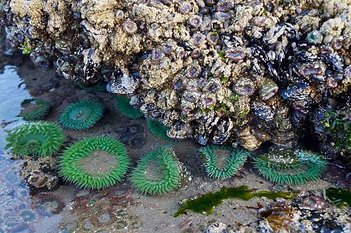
(228, 71)
(40, 172)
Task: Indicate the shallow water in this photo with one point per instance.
(27, 210)
(13, 92)
(17, 211)
(119, 208)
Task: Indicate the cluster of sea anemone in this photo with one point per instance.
(221, 72)
(97, 162)
(100, 162)
(40, 139)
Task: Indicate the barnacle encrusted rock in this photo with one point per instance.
(224, 71)
(40, 172)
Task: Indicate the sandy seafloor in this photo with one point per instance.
(120, 208)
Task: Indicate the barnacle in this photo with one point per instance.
(223, 163)
(94, 163)
(81, 115)
(290, 167)
(35, 109)
(35, 138)
(122, 103)
(157, 172)
(185, 67)
(157, 129)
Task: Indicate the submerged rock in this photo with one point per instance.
(307, 213)
(217, 227)
(40, 172)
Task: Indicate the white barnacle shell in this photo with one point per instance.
(124, 85)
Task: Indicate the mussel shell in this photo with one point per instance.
(202, 139)
(263, 111)
(299, 91)
(268, 89)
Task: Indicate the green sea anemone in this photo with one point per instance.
(290, 167)
(157, 172)
(157, 129)
(223, 163)
(35, 109)
(123, 105)
(94, 163)
(36, 138)
(81, 115)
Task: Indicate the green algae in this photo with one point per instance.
(26, 48)
(340, 197)
(206, 203)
